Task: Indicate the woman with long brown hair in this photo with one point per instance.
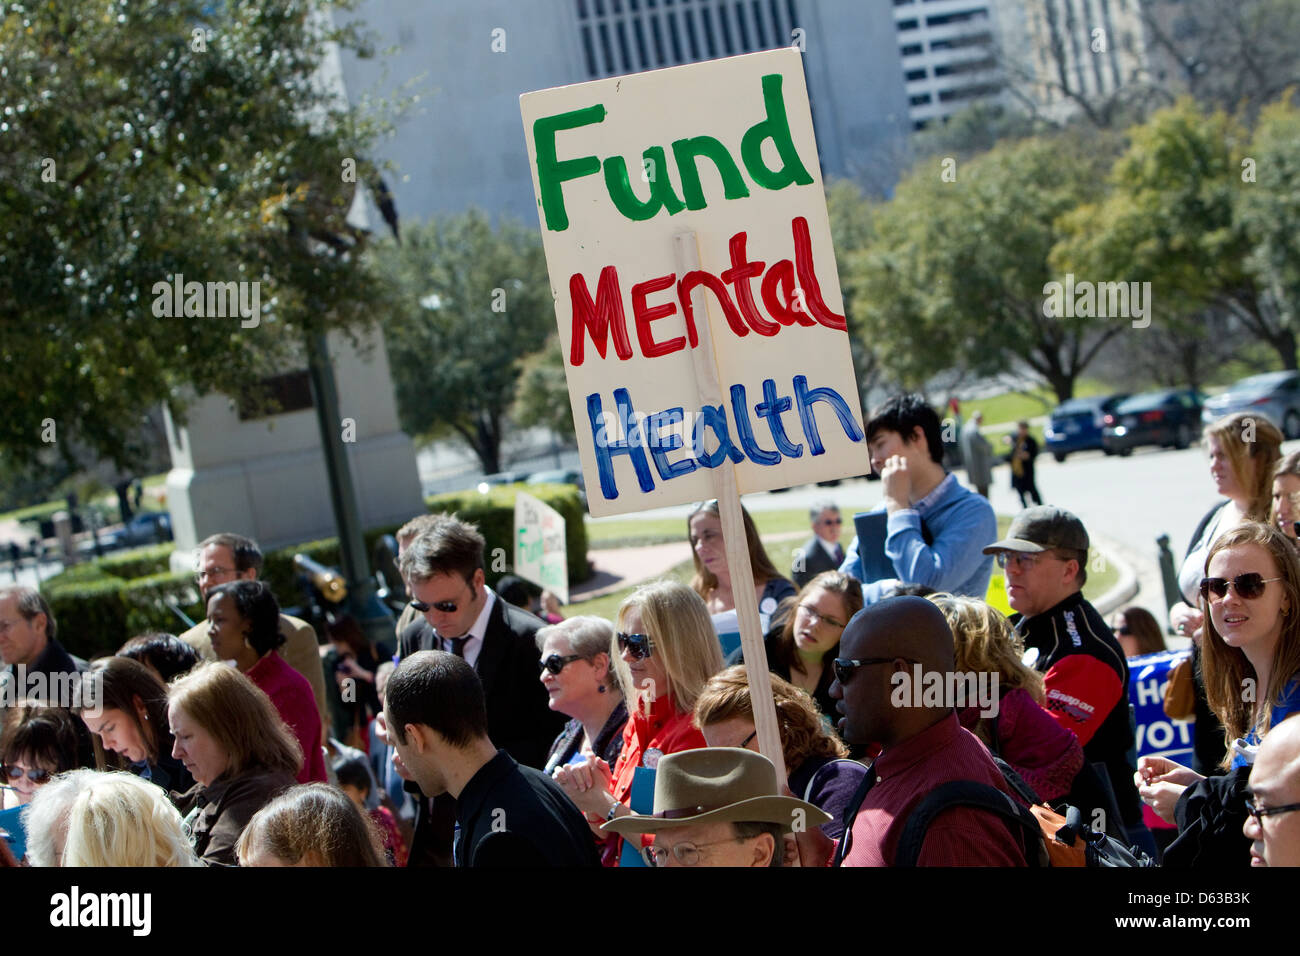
(712, 579)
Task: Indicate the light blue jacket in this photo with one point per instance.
(961, 525)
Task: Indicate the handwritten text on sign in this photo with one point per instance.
(726, 154)
(540, 552)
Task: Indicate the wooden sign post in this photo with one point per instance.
(705, 346)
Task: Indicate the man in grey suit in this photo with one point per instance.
(977, 454)
(821, 552)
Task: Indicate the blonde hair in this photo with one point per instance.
(1252, 459)
(803, 732)
(121, 820)
(985, 643)
(1225, 669)
(682, 635)
(240, 718)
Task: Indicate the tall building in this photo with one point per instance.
(462, 144)
(948, 56)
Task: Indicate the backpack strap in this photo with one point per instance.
(851, 813)
(967, 793)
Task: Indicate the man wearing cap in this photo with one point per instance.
(1085, 675)
(718, 806)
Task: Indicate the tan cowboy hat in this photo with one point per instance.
(718, 785)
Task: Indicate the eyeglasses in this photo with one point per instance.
(1259, 813)
(845, 666)
(1248, 586)
(10, 774)
(688, 854)
(832, 521)
(555, 663)
(639, 644)
(202, 576)
(818, 617)
(1022, 561)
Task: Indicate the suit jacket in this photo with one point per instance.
(815, 561)
(520, 720)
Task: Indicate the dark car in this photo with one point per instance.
(1170, 417)
(1272, 395)
(148, 527)
(1076, 425)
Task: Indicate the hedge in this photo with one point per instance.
(99, 605)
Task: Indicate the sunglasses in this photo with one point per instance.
(639, 644)
(1248, 586)
(845, 666)
(832, 521)
(10, 774)
(555, 663)
(1123, 631)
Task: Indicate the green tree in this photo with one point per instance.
(955, 277)
(1172, 219)
(146, 139)
(473, 301)
(542, 398)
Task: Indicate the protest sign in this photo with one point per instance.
(1157, 735)
(679, 208)
(540, 553)
(704, 339)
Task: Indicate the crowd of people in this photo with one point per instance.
(488, 736)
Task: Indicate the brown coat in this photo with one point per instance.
(221, 810)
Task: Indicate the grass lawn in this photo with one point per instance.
(1102, 575)
(1013, 406)
(634, 532)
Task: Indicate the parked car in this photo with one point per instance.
(1076, 425)
(558, 476)
(147, 527)
(1170, 417)
(1273, 395)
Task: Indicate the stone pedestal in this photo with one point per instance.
(266, 477)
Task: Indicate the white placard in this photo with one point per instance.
(723, 153)
(540, 552)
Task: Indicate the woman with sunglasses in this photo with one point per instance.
(1250, 597)
(40, 742)
(816, 760)
(712, 578)
(1138, 632)
(130, 720)
(579, 677)
(803, 648)
(244, 626)
(666, 653)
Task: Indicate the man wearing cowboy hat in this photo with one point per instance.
(718, 806)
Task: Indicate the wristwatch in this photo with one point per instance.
(612, 810)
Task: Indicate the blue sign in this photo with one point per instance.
(641, 800)
(1157, 735)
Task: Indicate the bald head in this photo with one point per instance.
(1275, 782)
(908, 627)
(890, 640)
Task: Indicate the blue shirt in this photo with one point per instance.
(1284, 708)
(961, 525)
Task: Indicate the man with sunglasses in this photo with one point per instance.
(821, 552)
(1273, 798)
(923, 746)
(461, 615)
(1085, 673)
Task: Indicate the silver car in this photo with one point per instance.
(1273, 395)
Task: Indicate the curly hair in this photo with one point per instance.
(803, 732)
(984, 642)
(1226, 669)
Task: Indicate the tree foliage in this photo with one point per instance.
(141, 139)
(473, 300)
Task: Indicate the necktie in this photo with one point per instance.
(458, 645)
(839, 555)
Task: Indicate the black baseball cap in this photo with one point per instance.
(1043, 528)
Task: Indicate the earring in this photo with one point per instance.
(600, 688)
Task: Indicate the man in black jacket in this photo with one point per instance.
(463, 616)
(38, 664)
(507, 815)
(1085, 673)
(821, 552)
